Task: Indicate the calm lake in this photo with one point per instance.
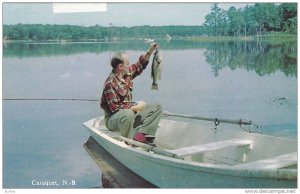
(43, 140)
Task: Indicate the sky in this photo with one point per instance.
(116, 14)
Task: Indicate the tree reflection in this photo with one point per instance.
(260, 56)
(263, 57)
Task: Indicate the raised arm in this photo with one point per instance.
(137, 68)
(152, 48)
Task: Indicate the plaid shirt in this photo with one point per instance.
(116, 90)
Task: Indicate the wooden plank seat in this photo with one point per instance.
(184, 151)
(276, 162)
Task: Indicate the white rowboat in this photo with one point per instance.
(193, 156)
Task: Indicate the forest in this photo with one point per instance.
(252, 20)
(255, 20)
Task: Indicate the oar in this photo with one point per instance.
(216, 120)
(150, 148)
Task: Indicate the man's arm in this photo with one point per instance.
(137, 69)
(147, 55)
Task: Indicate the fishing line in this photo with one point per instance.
(51, 99)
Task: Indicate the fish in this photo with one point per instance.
(156, 69)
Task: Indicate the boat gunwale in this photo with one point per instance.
(282, 174)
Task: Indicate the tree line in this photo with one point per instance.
(73, 32)
(253, 20)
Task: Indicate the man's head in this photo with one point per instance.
(120, 63)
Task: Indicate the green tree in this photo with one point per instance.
(213, 19)
(236, 21)
(288, 14)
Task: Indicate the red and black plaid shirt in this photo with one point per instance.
(116, 91)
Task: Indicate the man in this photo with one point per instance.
(133, 120)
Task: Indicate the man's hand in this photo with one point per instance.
(152, 48)
(139, 107)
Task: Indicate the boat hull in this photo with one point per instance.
(168, 172)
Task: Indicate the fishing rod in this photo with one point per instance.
(166, 113)
(215, 120)
(50, 99)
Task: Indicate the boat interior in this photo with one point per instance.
(239, 149)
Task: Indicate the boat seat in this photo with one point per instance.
(211, 147)
(280, 161)
(112, 134)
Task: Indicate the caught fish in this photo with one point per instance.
(156, 69)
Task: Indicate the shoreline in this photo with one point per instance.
(271, 37)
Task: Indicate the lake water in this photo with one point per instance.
(43, 140)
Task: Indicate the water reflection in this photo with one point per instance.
(114, 173)
(263, 57)
(34, 49)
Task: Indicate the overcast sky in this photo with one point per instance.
(118, 14)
